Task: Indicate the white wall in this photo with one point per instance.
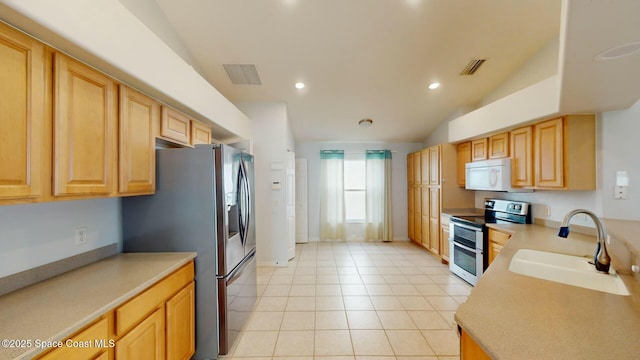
(270, 142)
(311, 151)
(620, 132)
(36, 234)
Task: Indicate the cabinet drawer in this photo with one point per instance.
(139, 307)
(95, 339)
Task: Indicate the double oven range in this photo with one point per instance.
(468, 241)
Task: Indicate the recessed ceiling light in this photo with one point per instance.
(365, 122)
(619, 51)
(299, 85)
(434, 85)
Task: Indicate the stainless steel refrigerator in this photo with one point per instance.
(203, 203)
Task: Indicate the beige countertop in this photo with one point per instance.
(56, 308)
(512, 316)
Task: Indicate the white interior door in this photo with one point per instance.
(291, 205)
(302, 221)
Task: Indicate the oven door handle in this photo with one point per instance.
(466, 247)
(467, 227)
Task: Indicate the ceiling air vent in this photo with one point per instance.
(242, 74)
(472, 66)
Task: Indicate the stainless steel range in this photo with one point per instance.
(468, 236)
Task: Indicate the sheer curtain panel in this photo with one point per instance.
(332, 217)
(378, 194)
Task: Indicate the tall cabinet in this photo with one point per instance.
(433, 185)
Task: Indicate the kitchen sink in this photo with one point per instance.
(566, 269)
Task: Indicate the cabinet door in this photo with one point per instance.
(145, 341)
(417, 216)
(469, 349)
(444, 242)
(434, 220)
(424, 166)
(417, 169)
(494, 250)
(410, 169)
(497, 240)
(200, 134)
(424, 220)
(181, 324)
(479, 149)
(411, 213)
(22, 114)
(138, 116)
(464, 156)
(522, 156)
(175, 126)
(85, 129)
(434, 165)
(499, 146)
(549, 160)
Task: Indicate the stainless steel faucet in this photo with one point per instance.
(601, 258)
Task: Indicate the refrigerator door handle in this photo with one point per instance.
(240, 202)
(248, 203)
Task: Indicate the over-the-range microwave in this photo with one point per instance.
(490, 175)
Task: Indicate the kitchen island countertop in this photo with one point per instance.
(512, 316)
(56, 308)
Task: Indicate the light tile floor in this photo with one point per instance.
(354, 301)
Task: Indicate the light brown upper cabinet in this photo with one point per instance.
(22, 116)
(410, 169)
(175, 126)
(417, 168)
(139, 115)
(522, 157)
(499, 146)
(464, 156)
(85, 129)
(479, 149)
(425, 166)
(434, 165)
(200, 134)
(564, 153)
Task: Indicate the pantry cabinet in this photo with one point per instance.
(22, 116)
(84, 130)
(438, 188)
(139, 115)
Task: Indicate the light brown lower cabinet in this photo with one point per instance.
(444, 241)
(497, 240)
(145, 341)
(470, 350)
(158, 323)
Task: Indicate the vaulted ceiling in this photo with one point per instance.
(361, 58)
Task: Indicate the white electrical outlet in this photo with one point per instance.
(81, 235)
(620, 193)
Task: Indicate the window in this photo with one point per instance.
(354, 187)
